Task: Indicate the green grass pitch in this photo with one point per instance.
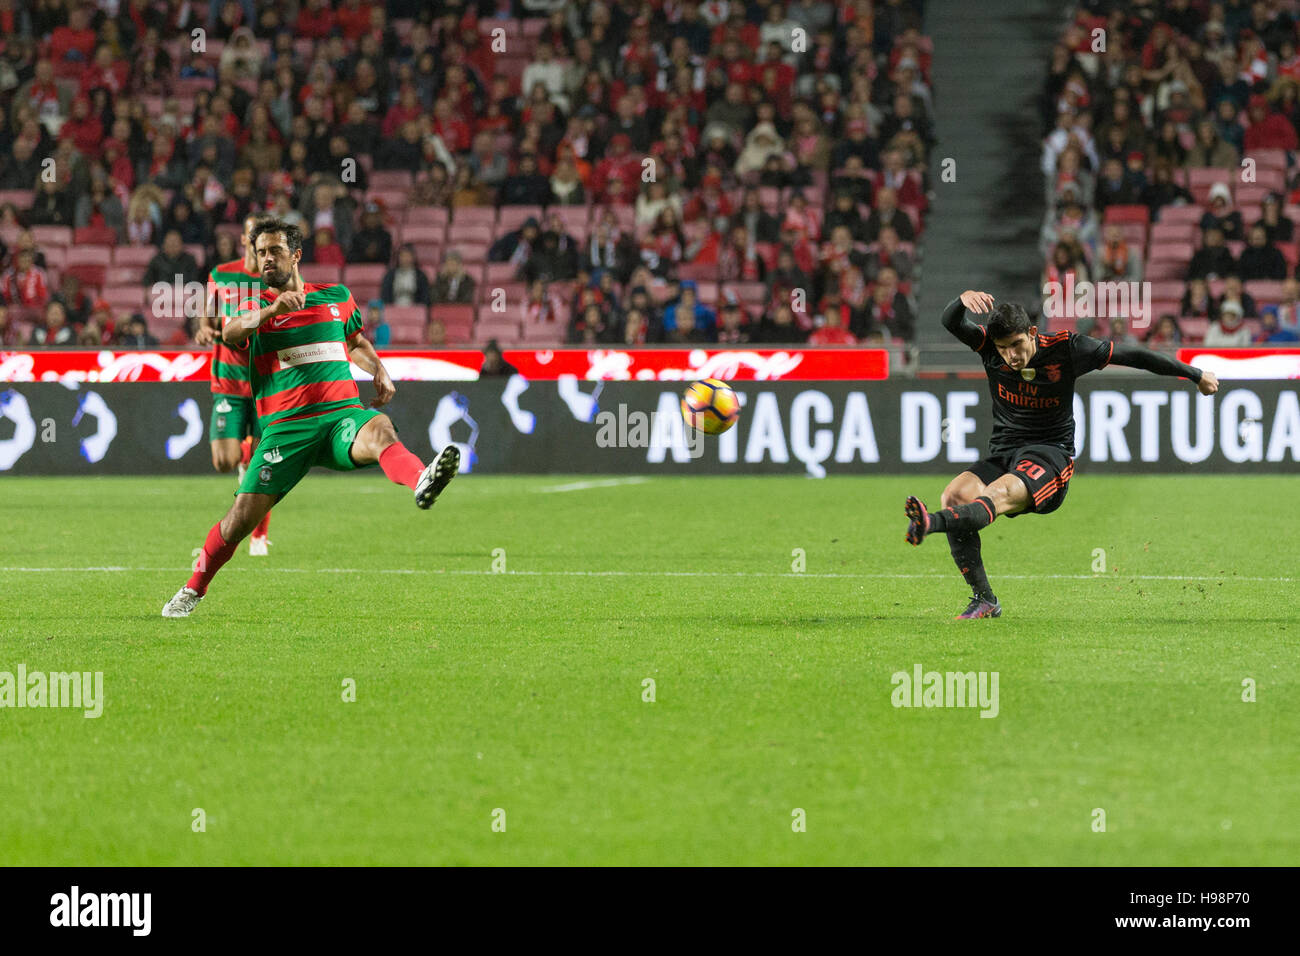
(522, 691)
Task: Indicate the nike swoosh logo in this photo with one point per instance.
(280, 321)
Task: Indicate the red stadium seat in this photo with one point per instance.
(53, 235)
(138, 256)
(126, 298)
(427, 216)
(422, 233)
(94, 255)
(364, 273)
(1181, 214)
(325, 275)
(1174, 232)
(512, 217)
(95, 236)
(91, 276)
(407, 323)
(1138, 214)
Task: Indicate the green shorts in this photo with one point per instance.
(289, 449)
(233, 417)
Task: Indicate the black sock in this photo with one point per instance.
(964, 518)
(966, 552)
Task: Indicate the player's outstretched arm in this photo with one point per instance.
(1134, 356)
(956, 321)
(363, 353)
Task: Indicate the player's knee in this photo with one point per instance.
(953, 498)
(223, 461)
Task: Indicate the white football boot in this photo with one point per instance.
(184, 601)
(257, 546)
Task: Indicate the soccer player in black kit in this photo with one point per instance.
(1031, 451)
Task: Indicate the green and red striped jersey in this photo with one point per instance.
(232, 285)
(299, 361)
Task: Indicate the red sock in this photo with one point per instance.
(262, 526)
(245, 451)
(216, 552)
(400, 465)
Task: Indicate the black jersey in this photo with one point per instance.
(1036, 404)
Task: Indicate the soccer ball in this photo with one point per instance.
(710, 406)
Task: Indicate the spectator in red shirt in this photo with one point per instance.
(353, 18)
(76, 41)
(833, 331)
(26, 283)
(83, 128)
(315, 20)
(1268, 130)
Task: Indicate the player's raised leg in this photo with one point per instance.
(377, 442)
(222, 540)
(967, 506)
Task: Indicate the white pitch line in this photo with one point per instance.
(674, 574)
(598, 483)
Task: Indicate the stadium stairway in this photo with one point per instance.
(989, 65)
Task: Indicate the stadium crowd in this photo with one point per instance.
(1169, 158)
(531, 171)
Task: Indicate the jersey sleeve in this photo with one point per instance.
(1088, 354)
(955, 320)
(354, 321)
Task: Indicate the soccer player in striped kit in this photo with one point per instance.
(233, 430)
(299, 344)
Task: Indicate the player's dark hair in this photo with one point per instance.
(292, 234)
(1007, 320)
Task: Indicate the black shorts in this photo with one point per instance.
(1045, 470)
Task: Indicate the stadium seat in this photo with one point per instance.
(512, 217)
(454, 314)
(53, 235)
(365, 272)
(1181, 214)
(137, 256)
(505, 331)
(407, 323)
(422, 233)
(95, 255)
(126, 298)
(91, 276)
(428, 255)
(471, 233)
(472, 215)
(324, 274)
(1268, 158)
(1173, 232)
(427, 216)
(499, 273)
(391, 179)
(96, 236)
(1264, 290)
(1165, 269)
(20, 198)
(1139, 214)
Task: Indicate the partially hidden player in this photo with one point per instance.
(233, 431)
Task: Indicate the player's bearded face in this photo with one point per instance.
(274, 261)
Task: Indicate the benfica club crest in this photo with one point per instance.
(1028, 374)
(1053, 373)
